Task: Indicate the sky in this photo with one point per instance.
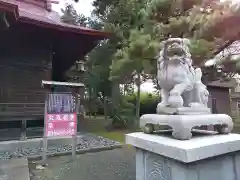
(83, 6)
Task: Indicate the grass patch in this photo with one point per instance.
(116, 136)
(97, 126)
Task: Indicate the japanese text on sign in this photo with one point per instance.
(61, 124)
(61, 103)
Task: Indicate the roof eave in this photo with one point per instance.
(11, 8)
(216, 86)
(14, 9)
(91, 32)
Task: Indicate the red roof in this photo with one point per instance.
(32, 14)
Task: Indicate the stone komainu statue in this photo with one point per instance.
(180, 83)
(184, 96)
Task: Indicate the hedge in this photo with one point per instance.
(148, 102)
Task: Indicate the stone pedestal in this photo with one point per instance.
(214, 157)
(183, 110)
(182, 125)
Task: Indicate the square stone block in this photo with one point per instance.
(215, 157)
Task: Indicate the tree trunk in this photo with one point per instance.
(115, 97)
(138, 83)
(115, 94)
(90, 102)
(105, 108)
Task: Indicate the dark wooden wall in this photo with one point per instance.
(219, 100)
(21, 71)
(26, 53)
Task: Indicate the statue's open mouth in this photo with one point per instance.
(175, 51)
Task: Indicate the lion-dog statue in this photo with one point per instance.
(180, 83)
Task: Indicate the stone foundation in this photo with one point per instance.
(215, 157)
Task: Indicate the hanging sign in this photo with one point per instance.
(61, 117)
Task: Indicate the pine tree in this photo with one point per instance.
(157, 20)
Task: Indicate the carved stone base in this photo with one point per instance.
(183, 110)
(215, 157)
(182, 125)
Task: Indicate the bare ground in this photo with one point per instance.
(117, 164)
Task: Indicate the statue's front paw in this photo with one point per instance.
(175, 101)
(161, 106)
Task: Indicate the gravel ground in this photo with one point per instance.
(88, 141)
(117, 164)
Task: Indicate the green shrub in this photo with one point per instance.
(148, 105)
(122, 115)
(148, 102)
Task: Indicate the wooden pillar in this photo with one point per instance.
(24, 130)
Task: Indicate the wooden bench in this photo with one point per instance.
(21, 112)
